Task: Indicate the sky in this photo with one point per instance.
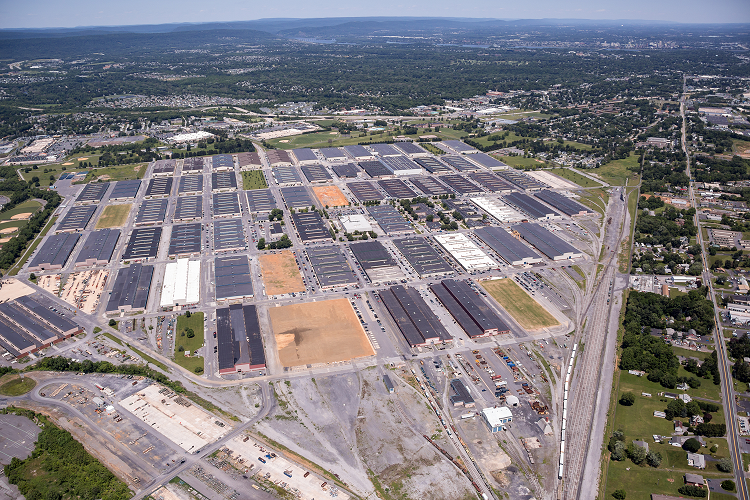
(74, 13)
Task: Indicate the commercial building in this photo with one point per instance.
(331, 267)
(471, 313)
(164, 168)
(125, 190)
(530, 206)
(376, 261)
(305, 156)
(159, 186)
(356, 222)
(401, 165)
(93, 192)
(376, 169)
(261, 201)
(422, 257)
(143, 244)
(384, 150)
(239, 340)
(346, 170)
(278, 157)
(152, 212)
(397, 189)
(223, 181)
(459, 147)
(26, 326)
(181, 284)
(359, 153)
(461, 395)
(233, 279)
(509, 248)
(489, 162)
(185, 240)
(460, 184)
(546, 242)
(491, 182)
(365, 191)
(563, 203)
(131, 288)
(466, 252)
(497, 209)
(430, 185)
(497, 418)
(316, 173)
(188, 207)
(432, 165)
(222, 162)
(297, 197)
(98, 248)
(249, 161)
(310, 227)
(54, 252)
(461, 164)
(286, 175)
(390, 220)
(226, 205)
(522, 180)
(333, 154)
(418, 324)
(76, 219)
(192, 165)
(411, 150)
(229, 235)
(190, 184)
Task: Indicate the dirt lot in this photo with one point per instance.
(330, 196)
(318, 332)
(524, 309)
(280, 273)
(114, 216)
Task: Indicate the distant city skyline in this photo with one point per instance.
(82, 13)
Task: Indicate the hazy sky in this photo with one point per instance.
(70, 13)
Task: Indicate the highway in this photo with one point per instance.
(727, 385)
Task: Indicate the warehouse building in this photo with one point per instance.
(346, 170)
(188, 208)
(401, 165)
(261, 201)
(305, 156)
(491, 182)
(497, 209)
(461, 396)
(471, 313)
(239, 340)
(54, 252)
(384, 150)
(190, 184)
(563, 203)
(464, 209)
(397, 189)
(331, 267)
(316, 173)
(411, 150)
(76, 219)
(181, 284)
(376, 261)
(131, 288)
(278, 158)
(164, 168)
(185, 240)
(359, 153)
(460, 184)
(390, 220)
(522, 180)
(226, 205)
(497, 418)
(192, 165)
(422, 257)
(509, 248)
(461, 164)
(152, 212)
(233, 279)
(222, 162)
(98, 248)
(27, 326)
(310, 227)
(286, 175)
(333, 154)
(143, 244)
(249, 161)
(223, 181)
(546, 242)
(433, 165)
(530, 206)
(356, 222)
(489, 162)
(418, 324)
(376, 169)
(125, 190)
(365, 191)
(458, 147)
(159, 186)
(430, 185)
(229, 235)
(93, 192)
(466, 252)
(297, 197)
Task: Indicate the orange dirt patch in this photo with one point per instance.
(280, 273)
(4, 240)
(69, 163)
(330, 196)
(25, 216)
(318, 332)
(83, 158)
(8, 230)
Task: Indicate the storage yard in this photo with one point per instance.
(525, 310)
(280, 273)
(84, 290)
(318, 332)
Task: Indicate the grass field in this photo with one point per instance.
(17, 386)
(195, 321)
(595, 199)
(56, 169)
(114, 216)
(22, 213)
(321, 139)
(253, 179)
(318, 332)
(575, 177)
(615, 172)
(27, 207)
(524, 309)
(330, 196)
(25, 256)
(280, 273)
(521, 162)
(116, 173)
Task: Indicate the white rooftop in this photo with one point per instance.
(357, 222)
(465, 251)
(497, 416)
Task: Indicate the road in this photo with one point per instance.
(727, 385)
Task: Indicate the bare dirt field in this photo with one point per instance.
(525, 310)
(280, 273)
(114, 216)
(318, 332)
(24, 216)
(8, 230)
(83, 290)
(50, 283)
(330, 196)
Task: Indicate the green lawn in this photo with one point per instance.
(25, 256)
(595, 199)
(638, 421)
(117, 173)
(56, 169)
(28, 206)
(195, 321)
(679, 351)
(17, 386)
(578, 145)
(521, 162)
(573, 176)
(253, 179)
(615, 172)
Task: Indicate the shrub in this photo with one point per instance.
(636, 453)
(724, 465)
(198, 369)
(619, 494)
(112, 323)
(711, 430)
(180, 349)
(691, 445)
(728, 485)
(627, 399)
(187, 314)
(653, 458)
(693, 491)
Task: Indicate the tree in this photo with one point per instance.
(261, 244)
(693, 491)
(619, 494)
(112, 323)
(32, 277)
(653, 458)
(198, 369)
(636, 453)
(618, 451)
(724, 465)
(691, 445)
(180, 349)
(190, 333)
(188, 314)
(627, 399)
(728, 485)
